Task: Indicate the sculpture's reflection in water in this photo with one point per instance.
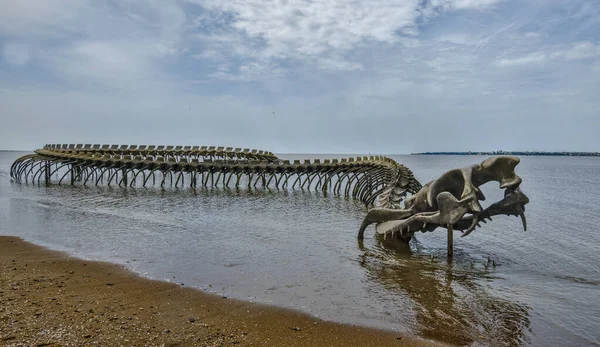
(450, 299)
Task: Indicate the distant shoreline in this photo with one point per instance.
(556, 154)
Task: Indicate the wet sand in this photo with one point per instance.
(50, 299)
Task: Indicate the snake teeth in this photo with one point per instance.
(523, 220)
(471, 228)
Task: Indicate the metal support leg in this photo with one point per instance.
(450, 241)
(124, 178)
(47, 172)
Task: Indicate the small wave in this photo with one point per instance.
(578, 280)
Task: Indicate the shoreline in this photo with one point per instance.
(50, 298)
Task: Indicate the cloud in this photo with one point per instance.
(256, 39)
(533, 58)
(467, 4)
(576, 51)
(116, 46)
(249, 72)
(302, 75)
(112, 63)
(322, 33)
(580, 50)
(40, 19)
(16, 54)
(314, 27)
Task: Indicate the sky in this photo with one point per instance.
(303, 76)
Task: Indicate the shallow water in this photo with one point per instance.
(298, 249)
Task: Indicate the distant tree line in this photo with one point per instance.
(540, 153)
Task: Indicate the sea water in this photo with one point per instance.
(299, 249)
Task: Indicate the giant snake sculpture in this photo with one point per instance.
(399, 204)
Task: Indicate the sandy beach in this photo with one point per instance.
(50, 299)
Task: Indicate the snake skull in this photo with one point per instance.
(453, 201)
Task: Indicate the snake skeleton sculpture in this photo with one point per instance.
(399, 204)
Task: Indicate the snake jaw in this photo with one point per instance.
(513, 204)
